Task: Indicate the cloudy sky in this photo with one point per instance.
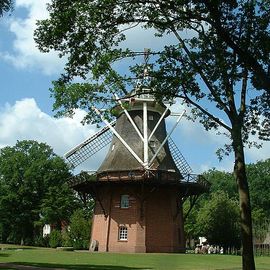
(26, 106)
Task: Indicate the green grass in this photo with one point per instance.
(43, 257)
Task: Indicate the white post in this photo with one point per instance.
(119, 137)
(129, 117)
(160, 119)
(145, 135)
(167, 137)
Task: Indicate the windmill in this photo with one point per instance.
(140, 187)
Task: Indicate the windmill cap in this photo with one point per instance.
(135, 101)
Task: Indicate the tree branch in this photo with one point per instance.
(215, 119)
(243, 95)
(199, 70)
(244, 55)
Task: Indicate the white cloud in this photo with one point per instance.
(25, 54)
(25, 121)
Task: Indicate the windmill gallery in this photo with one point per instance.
(140, 187)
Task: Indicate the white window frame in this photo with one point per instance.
(124, 201)
(123, 233)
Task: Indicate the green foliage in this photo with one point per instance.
(220, 182)
(259, 184)
(224, 183)
(32, 190)
(89, 32)
(79, 230)
(40, 241)
(55, 239)
(216, 69)
(218, 220)
(5, 6)
(58, 205)
(66, 241)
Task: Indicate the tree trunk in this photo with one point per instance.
(244, 200)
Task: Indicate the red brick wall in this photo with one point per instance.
(151, 226)
(162, 225)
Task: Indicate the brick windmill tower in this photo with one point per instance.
(140, 187)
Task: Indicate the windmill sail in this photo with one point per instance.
(102, 138)
(89, 147)
(179, 159)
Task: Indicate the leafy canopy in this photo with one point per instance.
(5, 6)
(218, 220)
(33, 190)
(220, 69)
(220, 61)
(224, 183)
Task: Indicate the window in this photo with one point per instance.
(152, 144)
(123, 233)
(151, 117)
(124, 201)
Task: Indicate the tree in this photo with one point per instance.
(220, 70)
(223, 182)
(5, 6)
(220, 183)
(79, 231)
(58, 205)
(29, 172)
(90, 28)
(259, 179)
(218, 221)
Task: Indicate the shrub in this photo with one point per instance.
(79, 230)
(40, 241)
(66, 241)
(55, 239)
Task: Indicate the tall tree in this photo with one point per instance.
(223, 183)
(220, 69)
(29, 172)
(217, 220)
(259, 179)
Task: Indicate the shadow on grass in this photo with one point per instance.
(17, 248)
(80, 266)
(4, 255)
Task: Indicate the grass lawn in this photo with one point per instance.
(45, 257)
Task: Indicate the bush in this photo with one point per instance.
(66, 241)
(55, 239)
(79, 230)
(40, 241)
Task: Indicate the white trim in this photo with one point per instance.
(129, 117)
(122, 233)
(118, 136)
(167, 137)
(159, 121)
(145, 136)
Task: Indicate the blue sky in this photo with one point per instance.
(26, 106)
